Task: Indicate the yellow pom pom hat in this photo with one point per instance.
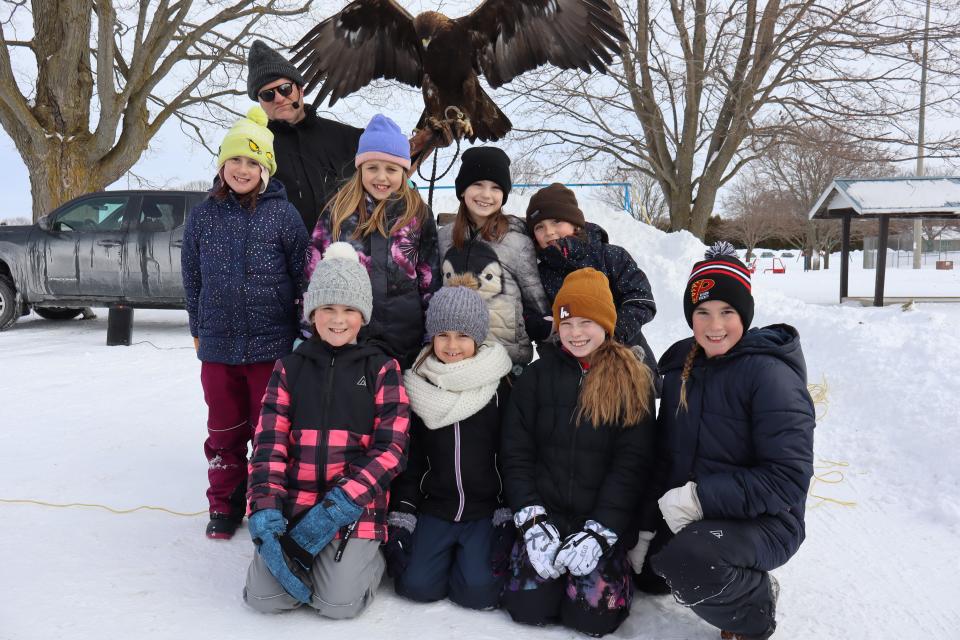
(250, 138)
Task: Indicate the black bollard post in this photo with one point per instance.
(120, 326)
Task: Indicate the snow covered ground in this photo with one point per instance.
(123, 427)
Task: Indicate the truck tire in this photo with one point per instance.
(57, 313)
(9, 310)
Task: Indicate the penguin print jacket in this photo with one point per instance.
(508, 281)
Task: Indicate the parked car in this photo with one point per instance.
(786, 254)
(767, 254)
(100, 249)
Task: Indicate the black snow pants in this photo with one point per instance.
(719, 569)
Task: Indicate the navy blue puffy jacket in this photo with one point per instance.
(628, 283)
(746, 438)
(242, 275)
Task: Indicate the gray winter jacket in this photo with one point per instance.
(509, 282)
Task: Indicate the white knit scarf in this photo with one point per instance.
(442, 394)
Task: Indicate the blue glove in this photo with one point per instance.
(266, 523)
(266, 526)
(320, 525)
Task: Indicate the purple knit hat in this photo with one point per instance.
(383, 140)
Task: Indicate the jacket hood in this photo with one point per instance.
(596, 234)
(574, 249)
(516, 224)
(778, 340)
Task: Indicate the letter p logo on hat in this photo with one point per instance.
(699, 289)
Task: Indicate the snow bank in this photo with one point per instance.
(123, 427)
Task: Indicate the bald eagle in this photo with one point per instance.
(500, 39)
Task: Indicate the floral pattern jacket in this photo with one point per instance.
(404, 270)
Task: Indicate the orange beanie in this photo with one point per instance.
(586, 294)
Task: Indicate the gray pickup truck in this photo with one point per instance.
(101, 249)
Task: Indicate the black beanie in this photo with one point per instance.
(555, 202)
(720, 277)
(484, 163)
(264, 65)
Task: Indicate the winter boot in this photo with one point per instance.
(775, 594)
(222, 526)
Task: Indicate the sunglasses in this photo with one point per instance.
(285, 89)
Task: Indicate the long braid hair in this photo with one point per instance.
(615, 366)
(685, 374)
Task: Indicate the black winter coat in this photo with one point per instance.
(452, 472)
(747, 436)
(628, 283)
(577, 473)
(314, 157)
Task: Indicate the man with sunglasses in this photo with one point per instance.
(314, 155)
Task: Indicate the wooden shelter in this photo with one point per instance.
(884, 199)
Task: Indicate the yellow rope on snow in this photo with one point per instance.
(833, 476)
(818, 393)
(145, 507)
(834, 473)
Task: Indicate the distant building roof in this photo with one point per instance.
(930, 197)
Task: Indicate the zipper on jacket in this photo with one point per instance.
(322, 449)
(459, 475)
(573, 439)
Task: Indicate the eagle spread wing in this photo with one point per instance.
(514, 36)
(369, 39)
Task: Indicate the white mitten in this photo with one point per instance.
(638, 554)
(541, 539)
(681, 506)
(581, 551)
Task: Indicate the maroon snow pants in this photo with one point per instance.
(233, 394)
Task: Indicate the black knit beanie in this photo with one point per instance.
(264, 65)
(555, 202)
(720, 277)
(484, 163)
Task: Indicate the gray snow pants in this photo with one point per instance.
(340, 589)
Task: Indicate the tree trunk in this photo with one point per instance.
(61, 174)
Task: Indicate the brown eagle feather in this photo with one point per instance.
(500, 39)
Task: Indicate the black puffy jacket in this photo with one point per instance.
(576, 473)
(452, 471)
(314, 157)
(746, 438)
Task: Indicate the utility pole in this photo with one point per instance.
(918, 222)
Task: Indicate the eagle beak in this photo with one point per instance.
(425, 42)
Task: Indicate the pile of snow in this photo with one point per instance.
(124, 427)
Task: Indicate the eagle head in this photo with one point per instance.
(428, 25)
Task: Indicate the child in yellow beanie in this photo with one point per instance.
(577, 450)
(242, 262)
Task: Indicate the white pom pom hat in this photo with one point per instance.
(339, 279)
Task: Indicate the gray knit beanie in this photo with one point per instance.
(458, 308)
(339, 279)
(264, 65)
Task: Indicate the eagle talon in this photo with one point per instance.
(442, 131)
